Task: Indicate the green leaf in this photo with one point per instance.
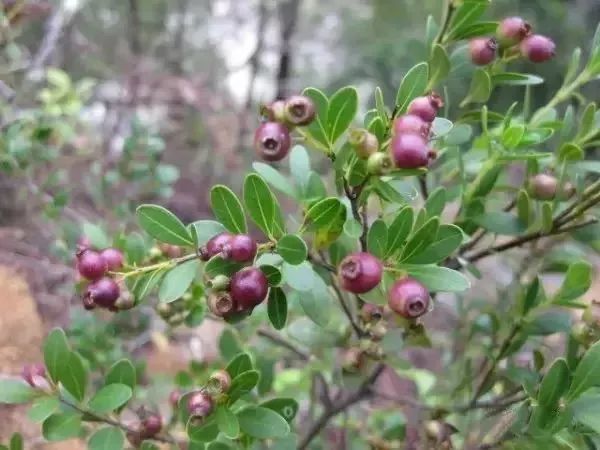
(318, 129)
(576, 283)
(377, 238)
(554, 384)
(15, 392)
(570, 152)
(438, 279)
(122, 372)
(439, 66)
(465, 16)
(203, 230)
(144, 284)
(238, 365)
(315, 302)
(530, 299)
(73, 376)
(227, 422)
(422, 238)
(217, 266)
(229, 344)
(547, 217)
(516, 79)
(524, 207)
(413, 85)
(399, 230)
(42, 408)
(342, 109)
(261, 205)
(477, 29)
(300, 168)
(436, 202)
(108, 438)
(228, 209)
(272, 273)
(56, 352)
(96, 235)
(110, 398)
(353, 228)
(135, 248)
(277, 308)
(481, 88)
(587, 373)
(500, 222)
(300, 277)
(16, 442)
(262, 423)
(511, 137)
(275, 179)
(586, 411)
(323, 212)
(205, 432)
(292, 249)
(380, 106)
(285, 407)
(242, 384)
(163, 225)
(177, 281)
(60, 427)
(448, 240)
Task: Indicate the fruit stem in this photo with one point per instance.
(158, 266)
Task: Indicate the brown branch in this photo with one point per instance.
(279, 340)
(353, 195)
(357, 396)
(357, 329)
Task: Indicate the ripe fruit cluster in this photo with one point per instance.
(200, 404)
(247, 288)
(272, 139)
(95, 266)
(150, 424)
(512, 32)
(361, 272)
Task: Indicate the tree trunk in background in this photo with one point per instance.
(178, 53)
(288, 18)
(134, 27)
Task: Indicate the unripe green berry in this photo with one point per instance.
(364, 143)
(379, 164)
(219, 283)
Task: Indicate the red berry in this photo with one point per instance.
(537, 48)
(221, 304)
(113, 258)
(84, 242)
(272, 141)
(218, 245)
(409, 123)
(483, 50)
(249, 287)
(34, 375)
(426, 107)
(219, 381)
(151, 426)
(299, 110)
(543, 186)
(242, 248)
(410, 151)
(104, 292)
(360, 272)
(200, 404)
(512, 30)
(409, 298)
(91, 264)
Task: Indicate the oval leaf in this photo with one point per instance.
(277, 308)
(262, 423)
(110, 398)
(228, 209)
(227, 422)
(342, 109)
(56, 352)
(413, 85)
(292, 249)
(107, 438)
(60, 427)
(163, 225)
(177, 281)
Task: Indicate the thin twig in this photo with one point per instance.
(278, 339)
(357, 329)
(353, 195)
(448, 12)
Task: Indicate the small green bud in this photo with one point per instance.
(379, 164)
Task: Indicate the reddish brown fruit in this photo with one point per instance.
(103, 292)
(543, 187)
(219, 382)
(512, 30)
(221, 304)
(409, 298)
(299, 110)
(272, 141)
(537, 48)
(218, 245)
(90, 264)
(241, 248)
(360, 272)
(34, 375)
(482, 50)
(113, 258)
(249, 287)
(409, 123)
(410, 151)
(151, 426)
(200, 404)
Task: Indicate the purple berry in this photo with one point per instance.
(242, 248)
(483, 50)
(113, 258)
(221, 304)
(91, 264)
(218, 244)
(34, 375)
(219, 381)
(249, 288)
(360, 272)
(543, 186)
(426, 107)
(299, 110)
(537, 48)
(512, 30)
(104, 292)
(409, 123)
(200, 404)
(151, 426)
(409, 298)
(272, 141)
(410, 151)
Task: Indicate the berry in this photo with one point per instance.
(275, 112)
(354, 360)
(567, 191)
(249, 287)
(537, 48)
(174, 397)
(426, 107)
(218, 245)
(409, 298)
(482, 50)
(34, 375)
(88, 303)
(219, 382)
(410, 151)
(272, 141)
(299, 110)
(219, 283)
(512, 30)
(84, 242)
(365, 144)
(151, 426)
(200, 404)
(91, 264)
(371, 313)
(103, 292)
(543, 186)
(360, 272)
(113, 258)
(379, 164)
(409, 123)
(171, 251)
(242, 248)
(221, 304)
